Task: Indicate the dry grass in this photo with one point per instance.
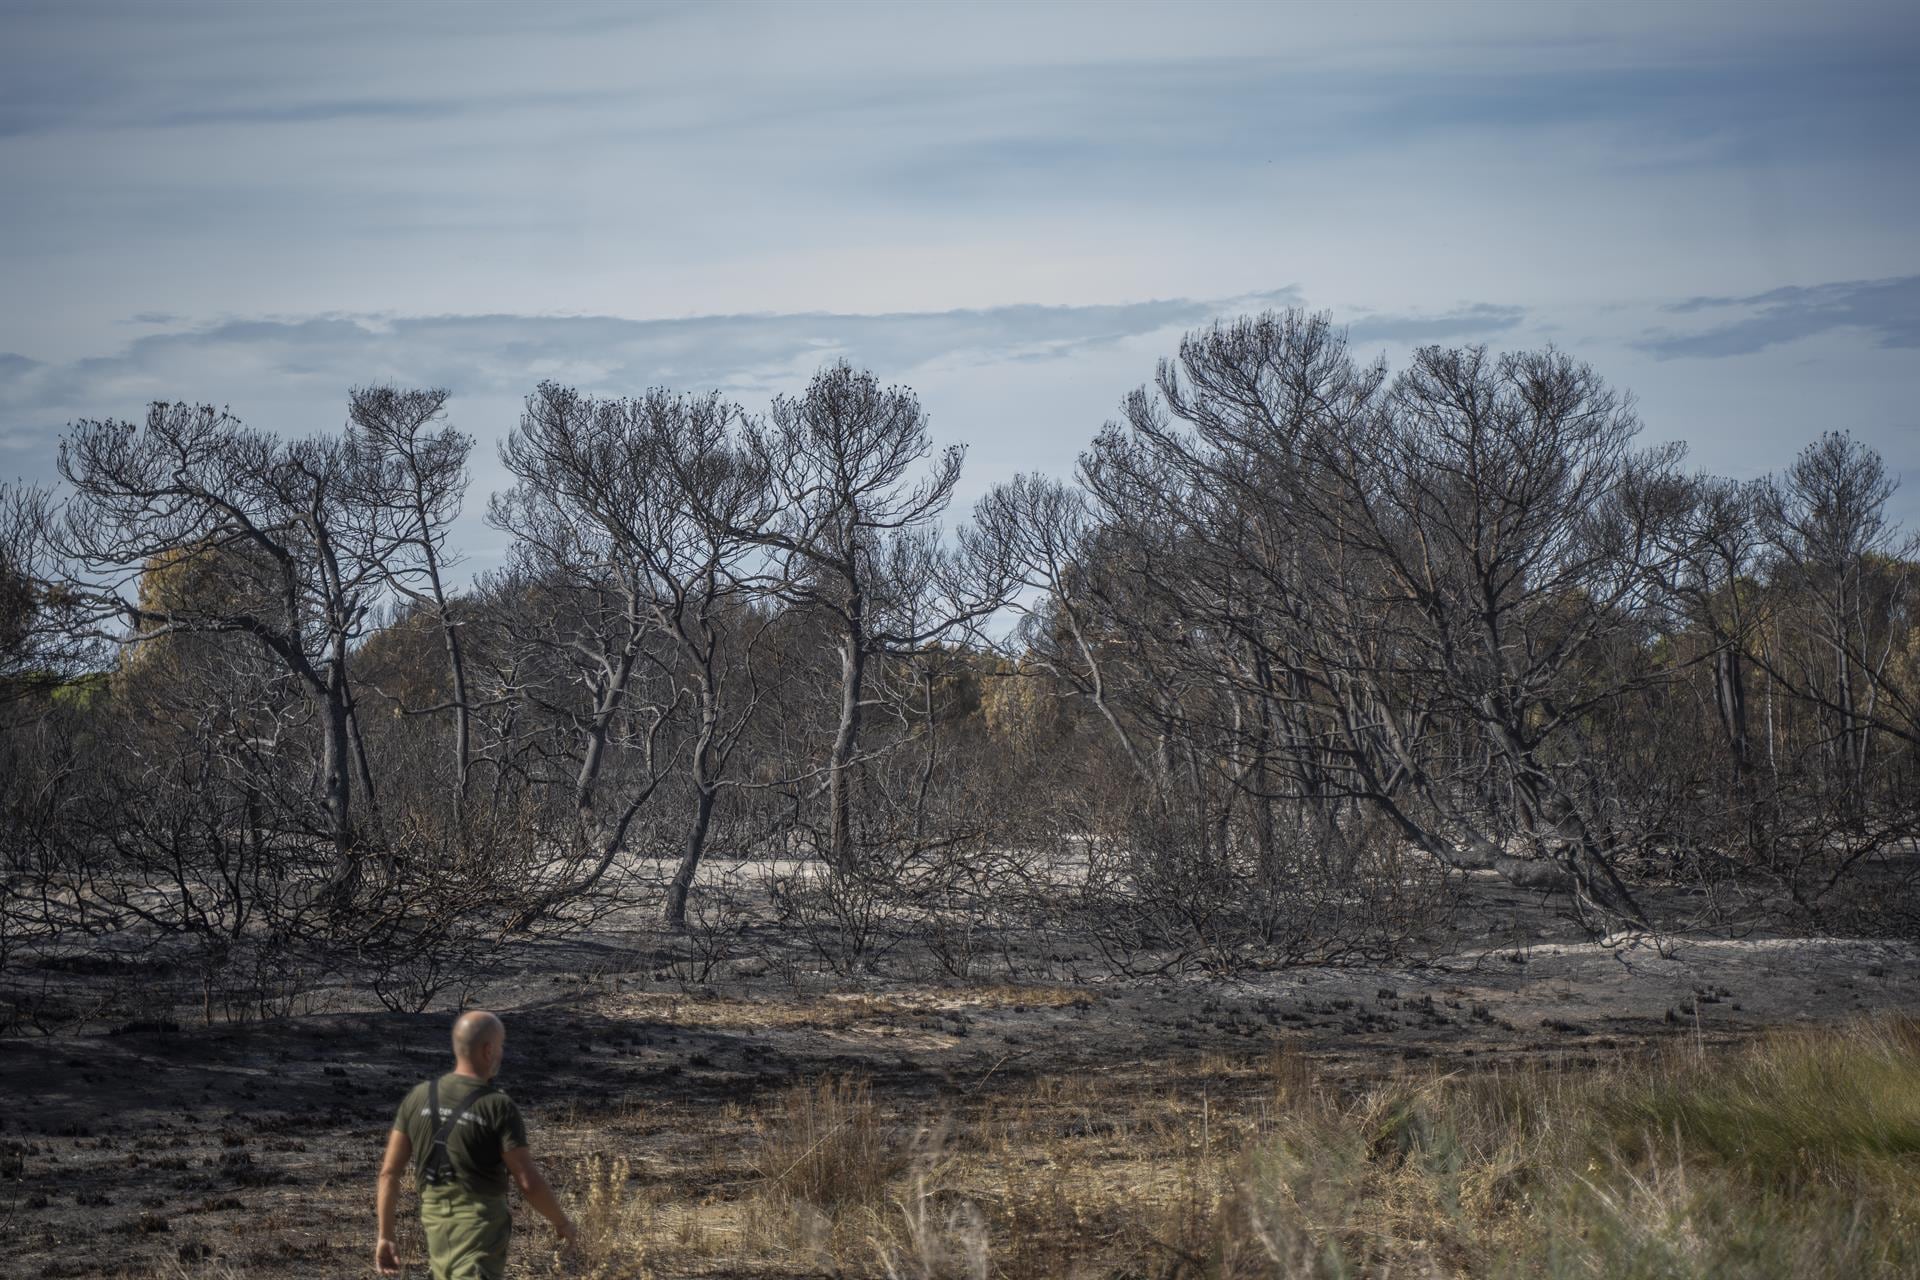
(613, 1224)
(1798, 1156)
(826, 1146)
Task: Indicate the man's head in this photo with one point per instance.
(479, 1042)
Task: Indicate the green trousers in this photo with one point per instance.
(466, 1234)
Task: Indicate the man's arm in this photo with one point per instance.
(386, 1254)
(533, 1185)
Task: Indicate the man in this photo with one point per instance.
(469, 1136)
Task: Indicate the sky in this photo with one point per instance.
(1016, 209)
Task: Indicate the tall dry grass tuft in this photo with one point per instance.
(612, 1223)
(826, 1145)
(937, 1236)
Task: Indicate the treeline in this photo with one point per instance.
(1301, 644)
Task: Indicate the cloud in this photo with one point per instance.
(212, 159)
(310, 112)
(1023, 386)
(306, 364)
(1887, 310)
(17, 437)
(1475, 320)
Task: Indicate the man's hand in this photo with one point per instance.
(539, 1194)
(386, 1258)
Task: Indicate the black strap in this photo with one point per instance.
(435, 1160)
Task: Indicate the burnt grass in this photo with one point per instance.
(158, 1146)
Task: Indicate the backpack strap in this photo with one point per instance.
(435, 1164)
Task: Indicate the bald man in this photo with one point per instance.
(463, 1137)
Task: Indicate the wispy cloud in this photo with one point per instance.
(314, 360)
(1481, 319)
(1888, 311)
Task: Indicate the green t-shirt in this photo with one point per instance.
(491, 1127)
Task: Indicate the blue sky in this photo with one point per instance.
(1014, 208)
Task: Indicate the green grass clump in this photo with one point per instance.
(1796, 1157)
(1799, 1111)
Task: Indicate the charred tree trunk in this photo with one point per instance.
(706, 785)
(462, 716)
(337, 795)
(846, 739)
(690, 859)
(1730, 696)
